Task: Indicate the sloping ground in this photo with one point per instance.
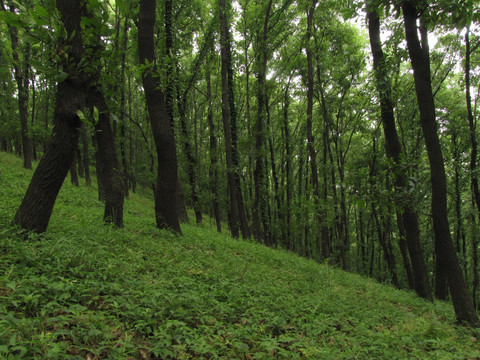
(87, 291)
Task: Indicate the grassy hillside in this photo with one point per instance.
(87, 291)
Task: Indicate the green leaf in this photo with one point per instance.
(61, 76)
(11, 18)
(83, 118)
(40, 10)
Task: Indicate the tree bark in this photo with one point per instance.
(108, 166)
(37, 205)
(166, 214)
(445, 251)
(409, 217)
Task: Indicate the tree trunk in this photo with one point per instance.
(288, 171)
(213, 171)
(22, 80)
(37, 205)
(86, 157)
(445, 251)
(409, 219)
(310, 138)
(473, 160)
(224, 49)
(73, 171)
(108, 166)
(242, 217)
(166, 214)
(123, 132)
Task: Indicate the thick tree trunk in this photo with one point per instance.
(445, 251)
(409, 218)
(166, 214)
(108, 166)
(37, 205)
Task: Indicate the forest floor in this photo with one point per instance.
(84, 290)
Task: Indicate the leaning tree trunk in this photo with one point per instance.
(108, 166)
(409, 217)
(445, 251)
(166, 214)
(37, 205)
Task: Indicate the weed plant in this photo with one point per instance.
(84, 290)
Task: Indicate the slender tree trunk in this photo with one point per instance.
(86, 157)
(73, 171)
(409, 217)
(261, 197)
(166, 214)
(213, 172)
(22, 80)
(242, 217)
(191, 159)
(473, 160)
(224, 49)
(123, 133)
(288, 171)
(445, 251)
(310, 138)
(37, 205)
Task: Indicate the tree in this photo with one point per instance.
(445, 251)
(37, 205)
(21, 71)
(407, 216)
(166, 185)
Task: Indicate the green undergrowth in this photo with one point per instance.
(84, 290)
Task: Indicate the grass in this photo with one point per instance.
(84, 290)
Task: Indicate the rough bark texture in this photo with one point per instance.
(409, 218)
(166, 214)
(37, 205)
(445, 251)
